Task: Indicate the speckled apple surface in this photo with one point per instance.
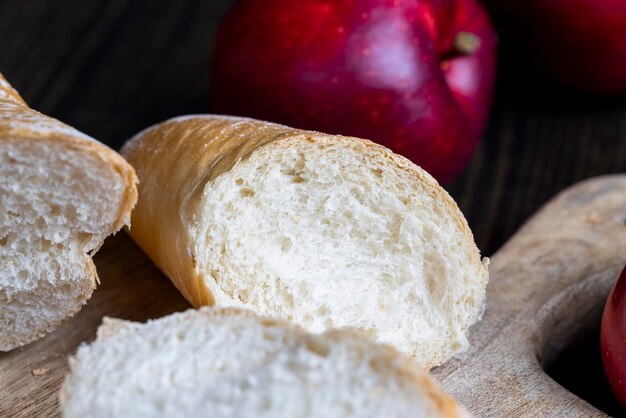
(413, 75)
(613, 338)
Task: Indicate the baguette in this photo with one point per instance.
(231, 363)
(61, 194)
(325, 231)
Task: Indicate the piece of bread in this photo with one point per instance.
(231, 363)
(325, 231)
(61, 194)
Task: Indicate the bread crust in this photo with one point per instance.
(175, 161)
(20, 123)
(177, 158)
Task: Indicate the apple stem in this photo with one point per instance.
(466, 43)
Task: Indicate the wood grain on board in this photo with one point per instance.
(548, 285)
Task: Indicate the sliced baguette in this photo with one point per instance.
(325, 231)
(61, 194)
(231, 363)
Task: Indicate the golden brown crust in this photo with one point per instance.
(174, 161)
(177, 158)
(18, 122)
(7, 92)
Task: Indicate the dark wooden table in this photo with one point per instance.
(113, 67)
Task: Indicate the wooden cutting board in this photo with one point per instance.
(548, 283)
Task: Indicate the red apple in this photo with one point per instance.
(613, 338)
(414, 75)
(582, 43)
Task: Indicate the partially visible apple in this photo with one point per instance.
(613, 338)
(582, 43)
(414, 75)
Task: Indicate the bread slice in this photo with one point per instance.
(231, 363)
(325, 231)
(61, 194)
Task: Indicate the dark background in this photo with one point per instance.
(113, 67)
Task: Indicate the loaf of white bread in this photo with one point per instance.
(231, 363)
(325, 231)
(61, 194)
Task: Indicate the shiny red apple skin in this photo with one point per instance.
(613, 339)
(581, 43)
(377, 69)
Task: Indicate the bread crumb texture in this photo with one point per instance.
(231, 363)
(331, 233)
(325, 231)
(61, 194)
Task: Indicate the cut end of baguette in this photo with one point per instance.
(330, 231)
(230, 362)
(58, 201)
(325, 231)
